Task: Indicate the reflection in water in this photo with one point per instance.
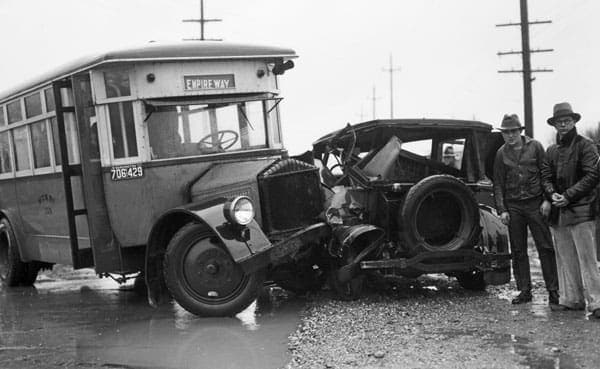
(248, 317)
(532, 355)
(99, 325)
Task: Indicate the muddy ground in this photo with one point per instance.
(74, 320)
(431, 322)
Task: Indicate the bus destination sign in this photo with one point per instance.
(209, 82)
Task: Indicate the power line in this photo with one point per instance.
(526, 70)
(201, 21)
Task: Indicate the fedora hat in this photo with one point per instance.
(563, 110)
(511, 121)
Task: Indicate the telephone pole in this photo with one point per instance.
(202, 21)
(526, 63)
(373, 100)
(391, 70)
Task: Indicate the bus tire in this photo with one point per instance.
(203, 278)
(31, 272)
(12, 270)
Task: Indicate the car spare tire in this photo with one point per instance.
(439, 213)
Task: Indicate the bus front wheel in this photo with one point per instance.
(203, 278)
(13, 271)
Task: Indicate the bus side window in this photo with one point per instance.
(123, 129)
(117, 83)
(39, 141)
(5, 164)
(257, 136)
(273, 114)
(72, 143)
(21, 148)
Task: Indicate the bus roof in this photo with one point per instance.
(155, 52)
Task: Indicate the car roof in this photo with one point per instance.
(405, 129)
(156, 52)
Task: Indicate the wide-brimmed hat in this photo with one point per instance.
(511, 121)
(563, 110)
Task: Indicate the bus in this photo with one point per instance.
(164, 162)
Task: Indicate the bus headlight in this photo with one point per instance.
(239, 210)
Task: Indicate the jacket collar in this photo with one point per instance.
(568, 138)
(524, 139)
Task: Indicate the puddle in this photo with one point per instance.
(93, 322)
(533, 355)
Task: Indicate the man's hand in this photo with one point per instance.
(559, 200)
(545, 208)
(505, 218)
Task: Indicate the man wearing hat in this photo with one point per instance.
(449, 158)
(570, 177)
(519, 197)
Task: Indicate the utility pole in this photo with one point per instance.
(202, 21)
(391, 70)
(526, 62)
(373, 100)
(362, 113)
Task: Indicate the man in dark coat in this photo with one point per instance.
(519, 196)
(569, 177)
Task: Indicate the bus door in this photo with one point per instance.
(105, 248)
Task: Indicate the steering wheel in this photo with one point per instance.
(224, 140)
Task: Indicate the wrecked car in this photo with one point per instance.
(407, 197)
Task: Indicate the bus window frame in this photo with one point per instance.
(52, 167)
(45, 117)
(107, 156)
(42, 104)
(24, 172)
(266, 124)
(99, 87)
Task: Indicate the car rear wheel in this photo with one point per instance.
(439, 213)
(203, 278)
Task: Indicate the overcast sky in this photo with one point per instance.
(446, 52)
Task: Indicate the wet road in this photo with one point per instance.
(91, 323)
(431, 322)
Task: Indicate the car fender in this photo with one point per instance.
(494, 240)
(494, 234)
(247, 245)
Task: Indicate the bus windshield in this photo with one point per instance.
(197, 129)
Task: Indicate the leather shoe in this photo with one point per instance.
(553, 297)
(523, 297)
(575, 307)
(558, 307)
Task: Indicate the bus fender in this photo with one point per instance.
(246, 244)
